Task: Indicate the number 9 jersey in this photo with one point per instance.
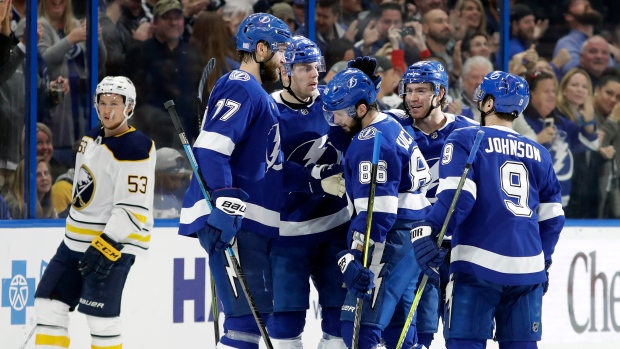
(509, 215)
(401, 173)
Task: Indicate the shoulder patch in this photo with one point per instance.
(367, 133)
(239, 75)
(132, 146)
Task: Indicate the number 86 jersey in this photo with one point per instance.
(402, 172)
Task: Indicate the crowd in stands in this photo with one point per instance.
(569, 52)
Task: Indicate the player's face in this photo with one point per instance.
(419, 98)
(348, 124)
(44, 146)
(44, 178)
(110, 108)
(576, 90)
(606, 97)
(273, 66)
(305, 79)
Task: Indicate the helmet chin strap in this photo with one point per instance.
(483, 114)
(125, 118)
(290, 90)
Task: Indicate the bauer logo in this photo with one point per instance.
(18, 292)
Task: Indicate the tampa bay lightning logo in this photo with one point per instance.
(273, 155)
(315, 151)
(264, 19)
(495, 76)
(352, 82)
(562, 160)
(84, 189)
(367, 133)
(239, 75)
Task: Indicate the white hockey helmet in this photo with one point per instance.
(119, 85)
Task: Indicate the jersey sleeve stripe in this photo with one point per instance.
(316, 225)
(138, 237)
(83, 231)
(549, 210)
(385, 204)
(412, 201)
(215, 142)
(141, 218)
(190, 214)
(450, 183)
(592, 144)
(262, 215)
(498, 262)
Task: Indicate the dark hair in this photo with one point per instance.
(388, 6)
(466, 43)
(609, 74)
(519, 11)
(533, 78)
(335, 51)
(334, 5)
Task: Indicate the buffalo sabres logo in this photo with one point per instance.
(84, 189)
(239, 75)
(367, 133)
(352, 82)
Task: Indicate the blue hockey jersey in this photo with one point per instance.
(238, 146)
(304, 142)
(509, 216)
(402, 171)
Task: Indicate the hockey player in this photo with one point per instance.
(350, 103)
(497, 274)
(424, 88)
(238, 153)
(109, 222)
(314, 216)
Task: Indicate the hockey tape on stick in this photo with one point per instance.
(444, 227)
(235, 263)
(201, 86)
(371, 203)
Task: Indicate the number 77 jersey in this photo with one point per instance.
(402, 171)
(509, 215)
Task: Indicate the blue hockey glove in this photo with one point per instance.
(225, 220)
(545, 284)
(99, 257)
(325, 180)
(428, 255)
(368, 66)
(357, 278)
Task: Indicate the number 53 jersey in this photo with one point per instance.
(112, 191)
(509, 215)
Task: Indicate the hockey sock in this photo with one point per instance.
(426, 339)
(331, 324)
(455, 343)
(369, 337)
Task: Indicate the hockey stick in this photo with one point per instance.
(442, 232)
(29, 336)
(231, 254)
(370, 208)
(201, 86)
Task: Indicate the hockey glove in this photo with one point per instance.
(545, 284)
(368, 66)
(100, 257)
(427, 254)
(357, 278)
(224, 220)
(326, 180)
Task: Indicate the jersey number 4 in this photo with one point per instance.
(515, 183)
(233, 107)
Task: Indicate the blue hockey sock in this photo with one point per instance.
(369, 337)
(426, 339)
(287, 324)
(331, 321)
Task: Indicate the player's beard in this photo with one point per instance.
(270, 71)
(590, 17)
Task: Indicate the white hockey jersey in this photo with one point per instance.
(113, 191)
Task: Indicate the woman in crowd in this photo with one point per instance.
(15, 199)
(560, 135)
(470, 18)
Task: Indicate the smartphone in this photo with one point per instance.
(548, 122)
(408, 31)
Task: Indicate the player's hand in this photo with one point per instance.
(225, 220)
(428, 255)
(357, 278)
(326, 180)
(546, 283)
(100, 257)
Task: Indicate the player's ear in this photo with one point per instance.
(361, 109)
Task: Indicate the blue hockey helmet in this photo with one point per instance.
(303, 50)
(262, 27)
(511, 93)
(345, 90)
(425, 72)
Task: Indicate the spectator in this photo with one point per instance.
(234, 12)
(563, 138)
(62, 193)
(299, 7)
(436, 27)
(468, 18)
(165, 68)
(492, 16)
(64, 52)
(169, 175)
(607, 115)
(134, 22)
(4, 209)
(376, 33)
(581, 19)
(424, 6)
(335, 69)
(18, 10)
(285, 12)
(350, 11)
(522, 25)
(338, 50)
(386, 98)
(476, 44)
(45, 148)
(327, 26)
(15, 198)
(595, 56)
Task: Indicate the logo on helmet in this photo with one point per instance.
(495, 76)
(265, 19)
(352, 82)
